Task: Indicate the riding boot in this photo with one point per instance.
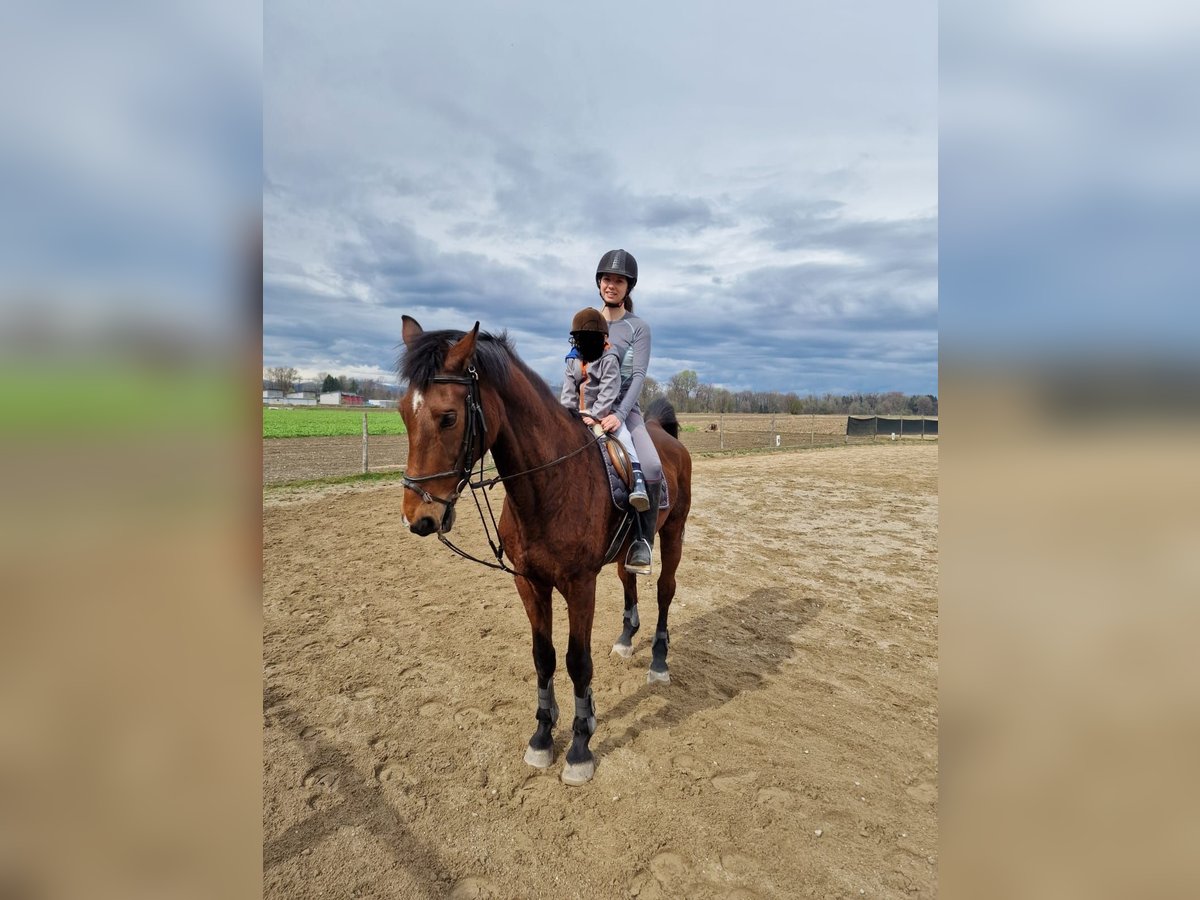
(638, 498)
(638, 559)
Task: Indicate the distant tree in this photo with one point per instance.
(330, 383)
(926, 405)
(892, 403)
(651, 391)
(768, 402)
(681, 387)
(283, 377)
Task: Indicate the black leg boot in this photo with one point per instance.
(638, 560)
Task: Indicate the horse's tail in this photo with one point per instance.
(663, 412)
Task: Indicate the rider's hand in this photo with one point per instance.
(610, 423)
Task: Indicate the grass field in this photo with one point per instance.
(313, 421)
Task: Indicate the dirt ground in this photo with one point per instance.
(793, 754)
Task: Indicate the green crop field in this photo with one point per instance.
(313, 421)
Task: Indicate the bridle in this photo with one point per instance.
(471, 432)
(474, 433)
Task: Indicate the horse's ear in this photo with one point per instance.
(412, 330)
(462, 351)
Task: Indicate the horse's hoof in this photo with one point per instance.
(653, 677)
(576, 774)
(625, 651)
(541, 759)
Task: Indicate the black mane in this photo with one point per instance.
(494, 360)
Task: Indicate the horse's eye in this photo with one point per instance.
(448, 419)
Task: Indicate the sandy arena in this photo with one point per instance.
(793, 754)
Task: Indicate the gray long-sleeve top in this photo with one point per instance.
(630, 338)
(600, 390)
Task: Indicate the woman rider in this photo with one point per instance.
(629, 335)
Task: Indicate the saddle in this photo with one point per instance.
(618, 457)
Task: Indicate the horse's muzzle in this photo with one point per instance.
(427, 525)
(424, 526)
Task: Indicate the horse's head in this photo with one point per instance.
(445, 433)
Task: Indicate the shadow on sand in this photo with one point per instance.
(713, 658)
(362, 804)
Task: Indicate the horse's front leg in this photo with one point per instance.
(536, 597)
(581, 606)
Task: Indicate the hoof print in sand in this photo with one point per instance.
(690, 765)
(668, 868)
(473, 888)
(468, 716)
(432, 710)
(926, 793)
(325, 778)
(668, 876)
(773, 797)
(733, 781)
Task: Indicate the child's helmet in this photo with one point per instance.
(589, 319)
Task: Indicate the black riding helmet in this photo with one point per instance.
(618, 262)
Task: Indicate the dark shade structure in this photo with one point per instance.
(867, 426)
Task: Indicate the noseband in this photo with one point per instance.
(473, 432)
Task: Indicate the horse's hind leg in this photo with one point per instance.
(629, 620)
(671, 551)
(536, 598)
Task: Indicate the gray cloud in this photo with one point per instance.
(786, 236)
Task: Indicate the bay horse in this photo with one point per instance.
(469, 393)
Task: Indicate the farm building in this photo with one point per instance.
(384, 404)
(340, 398)
(276, 398)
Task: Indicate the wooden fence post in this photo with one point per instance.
(365, 469)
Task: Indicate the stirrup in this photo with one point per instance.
(635, 562)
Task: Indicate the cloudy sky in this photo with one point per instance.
(774, 171)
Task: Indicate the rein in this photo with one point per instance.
(475, 433)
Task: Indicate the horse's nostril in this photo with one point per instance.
(424, 526)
